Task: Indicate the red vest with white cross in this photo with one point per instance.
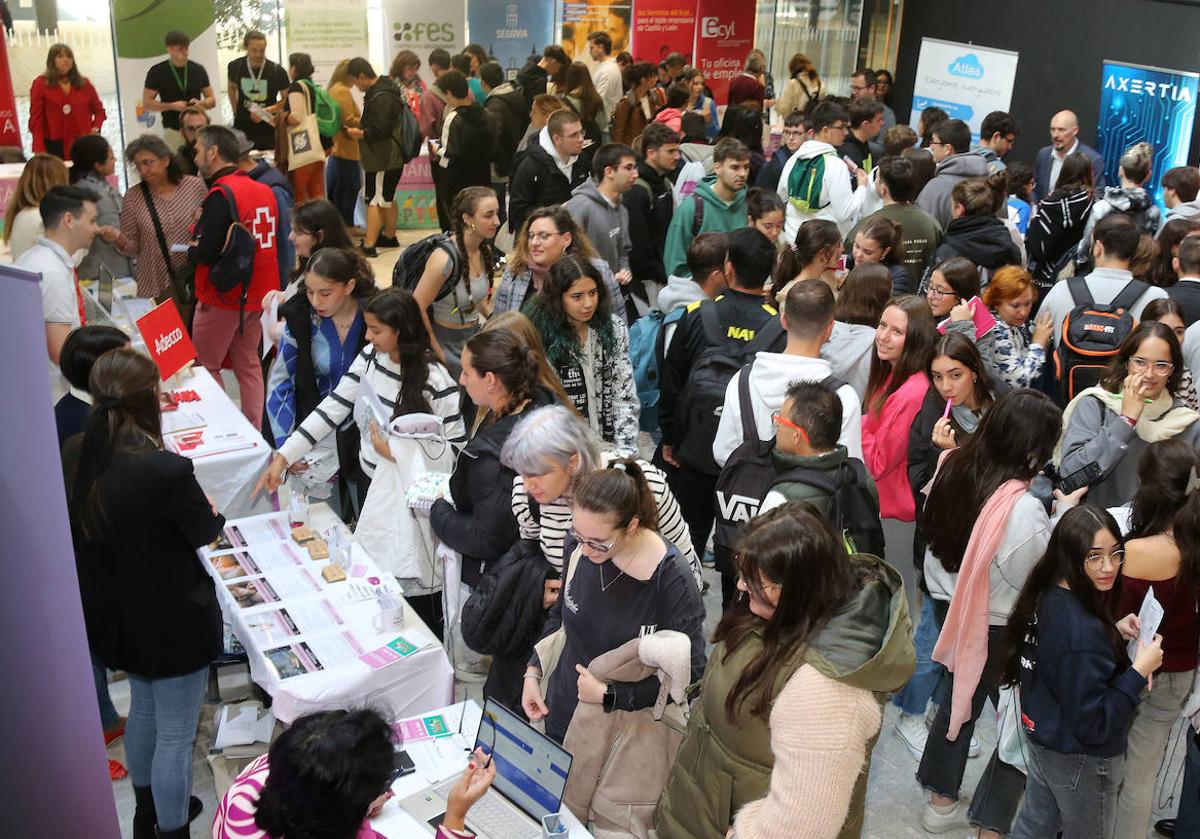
(259, 212)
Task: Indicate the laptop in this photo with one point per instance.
(104, 289)
(531, 776)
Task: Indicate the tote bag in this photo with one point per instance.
(304, 140)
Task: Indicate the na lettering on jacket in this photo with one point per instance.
(740, 333)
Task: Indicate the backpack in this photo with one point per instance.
(852, 511)
(1092, 333)
(697, 215)
(410, 267)
(805, 183)
(410, 134)
(699, 410)
(646, 340)
(748, 476)
(235, 266)
(326, 109)
(687, 180)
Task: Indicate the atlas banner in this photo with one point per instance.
(10, 131)
(139, 27)
(661, 27)
(1145, 104)
(724, 36)
(966, 81)
(511, 32)
(328, 30)
(167, 341)
(581, 19)
(422, 26)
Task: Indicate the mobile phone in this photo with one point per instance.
(849, 161)
(402, 765)
(1080, 478)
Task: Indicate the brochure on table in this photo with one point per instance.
(285, 611)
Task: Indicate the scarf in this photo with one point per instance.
(963, 643)
(1161, 419)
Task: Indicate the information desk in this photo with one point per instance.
(438, 760)
(318, 646)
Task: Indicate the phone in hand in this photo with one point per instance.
(850, 163)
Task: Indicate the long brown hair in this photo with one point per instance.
(42, 172)
(794, 548)
(1163, 504)
(73, 75)
(886, 378)
(503, 353)
(579, 84)
(466, 203)
(564, 222)
(864, 295)
(522, 327)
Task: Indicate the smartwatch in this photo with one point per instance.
(610, 699)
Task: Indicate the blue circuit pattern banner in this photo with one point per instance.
(1146, 103)
(511, 30)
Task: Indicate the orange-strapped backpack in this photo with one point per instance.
(1091, 335)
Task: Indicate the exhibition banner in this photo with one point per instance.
(167, 341)
(416, 200)
(1145, 104)
(966, 81)
(724, 35)
(423, 26)
(328, 30)
(10, 131)
(512, 31)
(581, 19)
(661, 27)
(138, 30)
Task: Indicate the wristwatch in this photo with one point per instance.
(610, 699)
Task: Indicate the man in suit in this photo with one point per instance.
(1064, 139)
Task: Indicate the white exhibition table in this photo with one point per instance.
(437, 761)
(277, 602)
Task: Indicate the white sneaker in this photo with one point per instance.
(910, 729)
(943, 820)
(973, 749)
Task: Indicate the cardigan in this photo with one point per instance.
(885, 446)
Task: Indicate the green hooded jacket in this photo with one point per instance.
(719, 217)
(724, 765)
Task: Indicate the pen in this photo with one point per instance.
(949, 405)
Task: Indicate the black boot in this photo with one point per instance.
(144, 818)
(184, 832)
(195, 808)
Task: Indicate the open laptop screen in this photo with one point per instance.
(531, 769)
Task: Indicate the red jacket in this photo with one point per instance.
(54, 115)
(259, 212)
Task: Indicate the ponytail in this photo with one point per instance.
(621, 492)
(514, 364)
(341, 265)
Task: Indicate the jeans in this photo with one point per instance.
(108, 714)
(1152, 723)
(915, 695)
(1074, 794)
(163, 715)
(998, 793)
(343, 180)
(1187, 822)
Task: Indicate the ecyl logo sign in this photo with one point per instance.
(967, 66)
(430, 32)
(711, 27)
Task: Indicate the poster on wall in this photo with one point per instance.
(423, 26)
(328, 30)
(1146, 104)
(661, 27)
(581, 19)
(966, 81)
(724, 35)
(511, 32)
(138, 29)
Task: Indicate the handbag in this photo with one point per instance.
(304, 140)
(182, 280)
(1010, 733)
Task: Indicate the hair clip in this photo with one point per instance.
(618, 464)
(1193, 483)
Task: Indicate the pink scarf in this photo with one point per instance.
(963, 644)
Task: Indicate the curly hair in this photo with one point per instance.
(547, 313)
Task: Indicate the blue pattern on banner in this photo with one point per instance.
(1150, 104)
(511, 31)
(955, 110)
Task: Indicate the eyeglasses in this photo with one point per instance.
(1096, 560)
(938, 294)
(542, 237)
(598, 547)
(1141, 365)
(778, 420)
(840, 126)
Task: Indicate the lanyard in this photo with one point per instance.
(175, 73)
(250, 70)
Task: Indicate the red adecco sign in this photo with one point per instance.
(167, 341)
(724, 35)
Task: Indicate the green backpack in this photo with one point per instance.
(327, 111)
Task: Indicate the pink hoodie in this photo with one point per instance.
(885, 446)
(672, 117)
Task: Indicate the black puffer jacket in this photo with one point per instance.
(650, 205)
(982, 239)
(480, 524)
(538, 182)
(504, 617)
(510, 116)
(470, 147)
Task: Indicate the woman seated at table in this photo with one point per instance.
(400, 366)
(22, 219)
(137, 517)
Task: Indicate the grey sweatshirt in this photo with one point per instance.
(606, 225)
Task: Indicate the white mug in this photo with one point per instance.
(390, 619)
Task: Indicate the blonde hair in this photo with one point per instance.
(341, 73)
(1137, 162)
(42, 172)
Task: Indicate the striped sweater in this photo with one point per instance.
(385, 376)
(551, 527)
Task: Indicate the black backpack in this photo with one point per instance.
(747, 476)
(235, 266)
(410, 132)
(699, 410)
(411, 265)
(1092, 333)
(852, 511)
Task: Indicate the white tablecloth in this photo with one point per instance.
(394, 823)
(412, 685)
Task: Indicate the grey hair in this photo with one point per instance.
(147, 142)
(547, 438)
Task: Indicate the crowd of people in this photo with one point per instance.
(926, 412)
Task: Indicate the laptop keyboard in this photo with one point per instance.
(495, 817)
